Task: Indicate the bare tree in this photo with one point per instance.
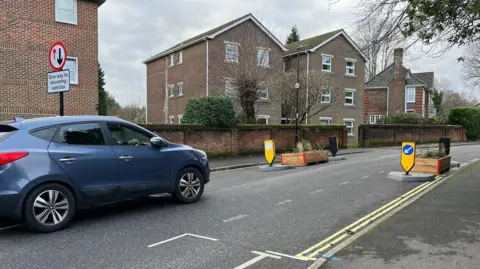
(314, 96)
(471, 65)
(453, 97)
(246, 65)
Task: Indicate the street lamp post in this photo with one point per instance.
(297, 87)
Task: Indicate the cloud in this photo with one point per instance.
(130, 32)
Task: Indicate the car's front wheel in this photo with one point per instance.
(49, 208)
(189, 185)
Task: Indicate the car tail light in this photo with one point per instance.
(9, 157)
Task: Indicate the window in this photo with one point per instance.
(171, 119)
(180, 57)
(349, 97)
(325, 120)
(350, 67)
(350, 128)
(180, 117)
(172, 60)
(326, 96)
(80, 134)
(262, 94)
(231, 52)
(180, 89)
(66, 11)
(171, 90)
(128, 136)
(263, 57)
(410, 95)
(230, 88)
(45, 134)
(374, 118)
(72, 65)
(327, 63)
(262, 119)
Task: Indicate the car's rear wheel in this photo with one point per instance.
(189, 185)
(49, 208)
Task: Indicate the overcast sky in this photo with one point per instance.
(130, 31)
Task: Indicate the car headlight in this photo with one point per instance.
(202, 153)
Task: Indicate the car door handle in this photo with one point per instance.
(126, 158)
(67, 160)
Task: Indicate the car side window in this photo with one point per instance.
(127, 136)
(45, 133)
(80, 134)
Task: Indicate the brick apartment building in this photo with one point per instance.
(195, 68)
(397, 90)
(27, 30)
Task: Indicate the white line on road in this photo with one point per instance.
(287, 256)
(386, 156)
(235, 218)
(203, 237)
(283, 202)
(317, 191)
(10, 227)
(343, 183)
(260, 257)
(364, 177)
(168, 240)
(381, 172)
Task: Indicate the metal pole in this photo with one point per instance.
(297, 138)
(61, 104)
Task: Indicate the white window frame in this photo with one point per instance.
(353, 126)
(372, 119)
(74, 82)
(348, 60)
(171, 119)
(235, 45)
(171, 90)
(180, 117)
(75, 13)
(234, 92)
(353, 91)
(172, 59)
(262, 89)
(406, 94)
(330, 64)
(178, 89)
(265, 117)
(329, 119)
(180, 57)
(329, 95)
(261, 60)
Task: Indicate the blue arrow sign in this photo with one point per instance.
(407, 150)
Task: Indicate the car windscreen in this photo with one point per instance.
(6, 131)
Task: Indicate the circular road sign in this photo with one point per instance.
(57, 56)
(407, 150)
(297, 85)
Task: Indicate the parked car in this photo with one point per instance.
(50, 167)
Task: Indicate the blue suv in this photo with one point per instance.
(50, 167)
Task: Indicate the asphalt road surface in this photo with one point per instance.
(246, 219)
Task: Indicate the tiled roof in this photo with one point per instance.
(426, 77)
(383, 78)
(312, 41)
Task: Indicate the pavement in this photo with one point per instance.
(440, 230)
(246, 219)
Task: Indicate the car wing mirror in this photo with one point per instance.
(157, 142)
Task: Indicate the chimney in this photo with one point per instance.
(398, 63)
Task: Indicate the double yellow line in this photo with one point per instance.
(313, 251)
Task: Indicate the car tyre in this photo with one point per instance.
(49, 208)
(189, 186)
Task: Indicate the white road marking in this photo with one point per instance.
(10, 227)
(317, 191)
(364, 177)
(168, 240)
(283, 202)
(386, 156)
(203, 237)
(260, 257)
(381, 172)
(235, 218)
(287, 256)
(343, 183)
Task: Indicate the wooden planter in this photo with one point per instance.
(304, 158)
(432, 166)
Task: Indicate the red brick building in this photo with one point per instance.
(27, 30)
(397, 90)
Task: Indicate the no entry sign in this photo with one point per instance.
(57, 56)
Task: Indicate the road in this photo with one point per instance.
(246, 219)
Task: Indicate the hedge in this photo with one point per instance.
(469, 118)
(210, 111)
(403, 118)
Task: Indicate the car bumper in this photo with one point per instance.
(10, 206)
(207, 173)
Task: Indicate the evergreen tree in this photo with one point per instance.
(294, 35)
(106, 102)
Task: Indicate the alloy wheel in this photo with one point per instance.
(190, 185)
(50, 207)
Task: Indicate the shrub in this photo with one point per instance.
(404, 118)
(211, 111)
(469, 118)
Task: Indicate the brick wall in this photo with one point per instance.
(393, 134)
(245, 139)
(29, 30)
(375, 102)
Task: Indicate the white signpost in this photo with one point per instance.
(58, 81)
